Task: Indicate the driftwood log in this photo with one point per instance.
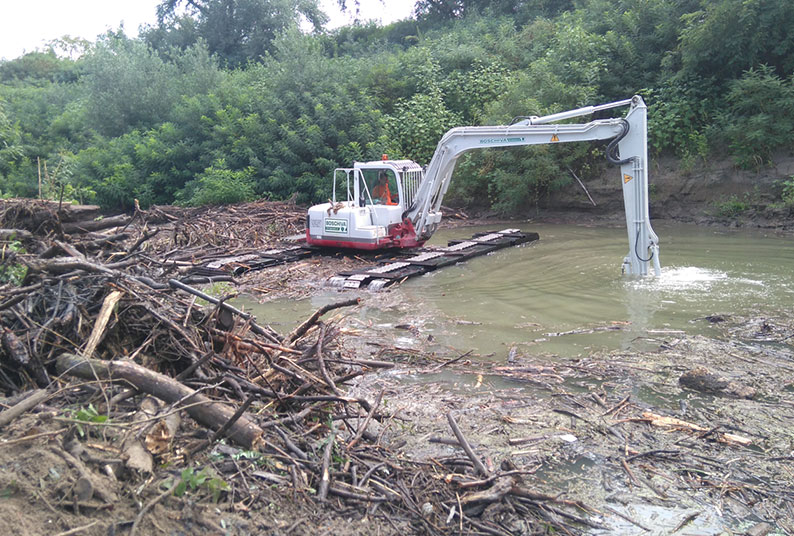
(97, 224)
(26, 404)
(206, 412)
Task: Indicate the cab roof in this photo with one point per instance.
(398, 165)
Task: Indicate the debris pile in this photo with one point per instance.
(138, 388)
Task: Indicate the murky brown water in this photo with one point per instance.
(569, 281)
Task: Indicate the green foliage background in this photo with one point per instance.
(229, 100)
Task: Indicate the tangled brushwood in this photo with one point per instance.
(140, 389)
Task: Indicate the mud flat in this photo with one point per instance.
(624, 433)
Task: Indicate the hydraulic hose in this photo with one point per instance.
(612, 149)
(637, 253)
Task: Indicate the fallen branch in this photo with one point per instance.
(454, 360)
(363, 427)
(96, 225)
(25, 439)
(303, 328)
(466, 447)
(325, 478)
(687, 519)
(321, 363)
(672, 422)
(205, 411)
(583, 187)
(519, 491)
(150, 504)
(256, 328)
(627, 518)
(501, 487)
(107, 496)
(219, 434)
(77, 530)
(101, 322)
(30, 402)
(15, 234)
(617, 406)
(135, 454)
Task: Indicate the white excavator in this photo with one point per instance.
(397, 204)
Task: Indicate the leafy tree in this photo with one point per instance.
(34, 110)
(177, 32)
(440, 9)
(239, 30)
(419, 123)
(521, 10)
(512, 180)
(761, 118)
(152, 166)
(38, 68)
(469, 92)
(130, 86)
(10, 138)
(297, 116)
(679, 119)
(369, 38)
(638, 40)
(722, 39)
(70, 47)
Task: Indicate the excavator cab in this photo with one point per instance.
(367, 208)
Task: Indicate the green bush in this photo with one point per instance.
(678, 118)
(732, 207)
(787, 195)
(220, 186)
(761, 117)
(10, 271)
(419, 123)
(194, 481)
(10, 139)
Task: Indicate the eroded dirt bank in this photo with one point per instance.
(346, 431)
(706, 192)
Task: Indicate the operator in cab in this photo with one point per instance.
(380, 193)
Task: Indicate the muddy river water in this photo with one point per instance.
(565, 295)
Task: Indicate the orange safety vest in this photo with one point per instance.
(382, 192)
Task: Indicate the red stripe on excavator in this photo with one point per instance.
(349, 245)
(369, 246)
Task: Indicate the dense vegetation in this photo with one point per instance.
(226, 100)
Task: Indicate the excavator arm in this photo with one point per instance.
(628, 149)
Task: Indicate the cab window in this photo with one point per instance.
(381, 185)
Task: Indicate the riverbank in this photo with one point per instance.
(702, 192)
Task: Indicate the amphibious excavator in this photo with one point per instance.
(397, 203)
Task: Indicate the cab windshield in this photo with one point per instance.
(379, 188)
